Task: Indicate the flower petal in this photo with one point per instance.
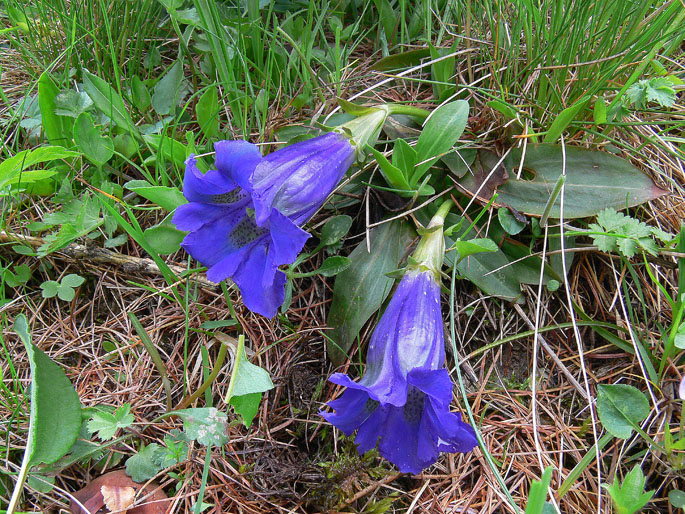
(191, 216)
(436, 383)
(351, 410)
(212, 187)
(261, 283)
(453, 435)
(297, 179)
(288, 239)
(237, 161)
(226, 232)
(404, 444)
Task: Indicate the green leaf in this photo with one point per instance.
(169, 148)
(629, 496)
(440, 132)
(57, 128)
(146, 463)
(594, 181)
(473, 246)
(15, 167)
(207, 111)
(167, 90)
(393, 175)
(538, 493)
(72, 103)
(564, 119)
(108, 101)
(657, 89)
(247, 406)
(49, 288)
(55, 408)
(504, 108)
(89, 139)
(208, 426)
(106, 424)
(600, 111)
(401, 60)
(676, 498)
(360, 290)
(247, 384)
(20, 276)
(333, 266)
(66, 293)
(164, 237)
(140, 94)
(509, 223)
(167, 198)
(621, 408)
(404, 157)
(334, 230)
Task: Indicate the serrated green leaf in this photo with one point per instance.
(621, 407)
(146, 463)
(105, 424)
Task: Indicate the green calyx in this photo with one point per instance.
(430, 252)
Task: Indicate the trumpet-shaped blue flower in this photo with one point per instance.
(402, 402)
(244, 217)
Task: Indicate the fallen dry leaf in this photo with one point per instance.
(115, 492)
(118, 498)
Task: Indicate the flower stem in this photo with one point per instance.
(408, 110)
(439, 217)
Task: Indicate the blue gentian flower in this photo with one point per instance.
(402, 402)
(245, 216)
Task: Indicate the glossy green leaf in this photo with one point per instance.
(439, 134)
(621, 408)
(108, 101)
(564, 119)
(167, 198)
(360, 290)
(207, 111)
(97, 148)
(594, 181)
(167, 91)
(57, 128)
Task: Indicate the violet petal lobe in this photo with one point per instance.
(237, 160)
